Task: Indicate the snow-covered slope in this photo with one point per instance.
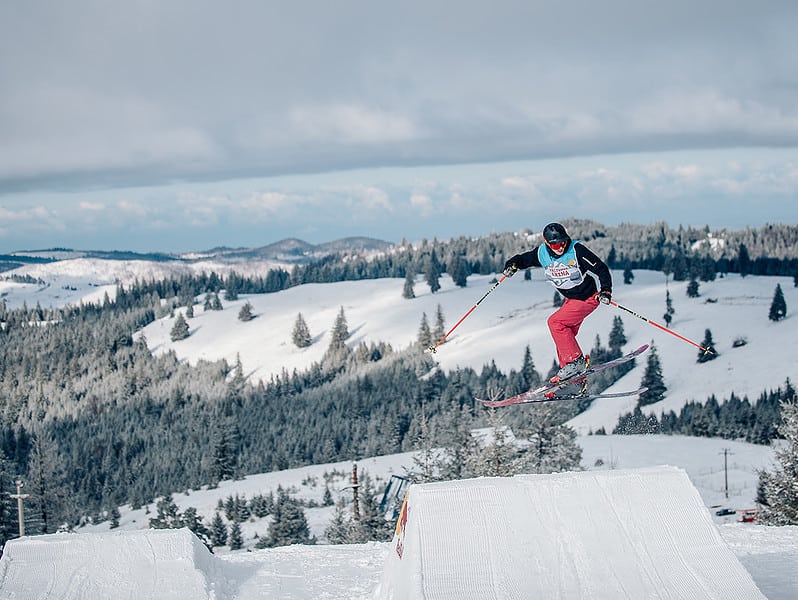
(514, 316)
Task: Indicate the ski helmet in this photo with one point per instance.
(554, 233)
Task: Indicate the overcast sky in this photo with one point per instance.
(184, 124)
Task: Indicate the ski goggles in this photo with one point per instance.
(557, 246)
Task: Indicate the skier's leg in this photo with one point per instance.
(564, 325)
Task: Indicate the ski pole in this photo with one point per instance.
(434, 348)
(662, 327)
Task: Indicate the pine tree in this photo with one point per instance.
(669, 312)
(8, 507)
(628, 276)
(218, 531)
(301, 334)
(652, 379)
(47, 487)
(704, 356)
(743, 261)
(557, 300)
(440, 324)
(338, 353)
(552, 445)
(115, 516)
(457, 443)
(371, 526)
(216, 303)
(424, 337)
(778, 308)
(500, 457)
(410, 280)
(530, 378)
(245, 314)
(339, 531)
(236, 537)
(179, 329)
(692, 289)
(192, 521)
(340, 331)
(289, 525)
(167, 515)
(781, 486)
(432, 272)
(617, 338)
(459, 271)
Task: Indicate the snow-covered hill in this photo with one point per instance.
(513, 316)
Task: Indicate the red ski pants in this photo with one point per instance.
(564, 325)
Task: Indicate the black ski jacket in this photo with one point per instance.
(596, 275)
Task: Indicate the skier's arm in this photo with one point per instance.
(595, 265)
(523, 260)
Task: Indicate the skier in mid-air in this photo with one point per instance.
(581, 277)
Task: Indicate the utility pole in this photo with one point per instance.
(20, 510)
(726, 453)
(355, 500)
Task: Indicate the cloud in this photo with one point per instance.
(356, 124)
(142, 94)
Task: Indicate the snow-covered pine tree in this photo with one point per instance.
(440, 324)
(167, 515)
(500, 456)
(216, 303)
(301, 333)
(457, 443)
(339, 531)
(245, 314)
(289, 524)
(236, 537)
(218, 531)
(432, 272)
(371, 526)
(8, 508)
(410, 280)
(179, 329)
(338, 352)
(780, 487)
(552, 444)
(424, 334)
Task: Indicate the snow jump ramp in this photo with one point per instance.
(136, 565)
(625, 534)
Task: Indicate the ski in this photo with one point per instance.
(557, 397)
(550, 389)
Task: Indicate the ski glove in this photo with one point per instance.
(510, 266)
(604, 296)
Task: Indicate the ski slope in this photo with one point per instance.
(629, 533)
